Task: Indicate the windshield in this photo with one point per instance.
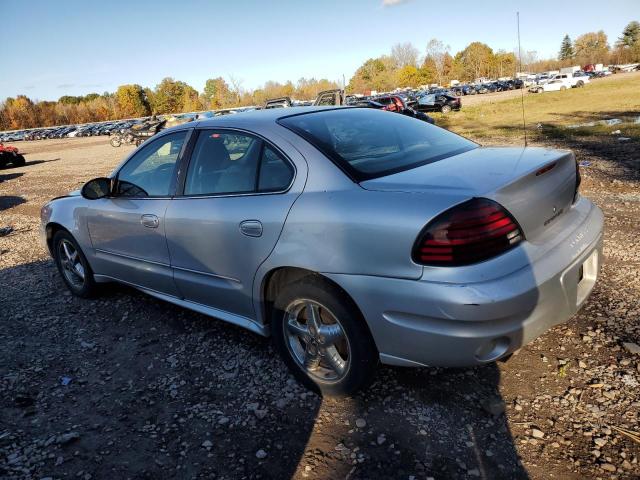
(368, 143)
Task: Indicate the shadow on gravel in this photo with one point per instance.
(127, 386)
(29, 163)
(10, 201)
(37, 162)
(10, 176)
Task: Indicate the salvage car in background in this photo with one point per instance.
(438, 103)
(395, 103)
(551, 86)
(351, 235)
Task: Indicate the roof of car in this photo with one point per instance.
(254, 118)
(258, 116)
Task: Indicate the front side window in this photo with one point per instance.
(150, 171)
(369, 143)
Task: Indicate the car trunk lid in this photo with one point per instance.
(536, 185)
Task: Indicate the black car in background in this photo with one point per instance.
(516, 84)
(460, 90)
(486, 88)
(438, 103)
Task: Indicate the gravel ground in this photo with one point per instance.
(127, 386)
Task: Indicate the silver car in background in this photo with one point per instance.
(353, 236)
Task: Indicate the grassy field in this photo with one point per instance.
(550, 114)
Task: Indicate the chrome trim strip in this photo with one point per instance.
(224, 195)
(106, 252)
(231, 279)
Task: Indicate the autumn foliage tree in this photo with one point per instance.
(171, 96)
(217, 94)
(131, 101)
(591, 47)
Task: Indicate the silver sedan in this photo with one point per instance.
(352, 236)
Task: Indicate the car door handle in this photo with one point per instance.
(150, 221)
(251, 228)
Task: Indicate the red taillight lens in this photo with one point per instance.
(468, 233)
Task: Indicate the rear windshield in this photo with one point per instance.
(368, 143)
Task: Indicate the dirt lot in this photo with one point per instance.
(127, 386)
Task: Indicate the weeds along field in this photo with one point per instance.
(552, 114)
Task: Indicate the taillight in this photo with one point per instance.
(467, 233)
(578, 182)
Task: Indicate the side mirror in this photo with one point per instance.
(96, 188)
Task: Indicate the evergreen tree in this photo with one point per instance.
(566, 49)
(630, 35)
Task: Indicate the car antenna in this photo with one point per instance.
(524, 123)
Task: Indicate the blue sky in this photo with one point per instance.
(54, 48)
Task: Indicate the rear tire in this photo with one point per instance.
(19, 161)
(335, 354)
(73, 266)
(445, 109)
(563, 88)
(115, 141)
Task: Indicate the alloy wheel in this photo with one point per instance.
(316, 340)
(72, 267)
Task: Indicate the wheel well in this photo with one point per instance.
(51, 229)
(278, 278)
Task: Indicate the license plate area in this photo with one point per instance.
(586, 275)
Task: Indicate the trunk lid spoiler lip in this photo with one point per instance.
(405, 181)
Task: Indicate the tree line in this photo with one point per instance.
(132, 101)
(405, 66)
(408, 66)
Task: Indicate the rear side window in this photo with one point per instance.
(275, 172)
(225, 162)
(369, 143)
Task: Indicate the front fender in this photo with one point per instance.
(68, 213)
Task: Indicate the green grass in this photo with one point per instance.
(549, 114)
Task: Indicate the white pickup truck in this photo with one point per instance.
(561, 81)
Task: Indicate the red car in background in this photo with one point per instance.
(10, 155)
(395, 103)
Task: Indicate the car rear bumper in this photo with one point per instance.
(421, 322)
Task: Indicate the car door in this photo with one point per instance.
(127, 228)
(237, 192)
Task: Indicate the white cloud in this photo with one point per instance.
(393, 3)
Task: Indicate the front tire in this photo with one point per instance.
(322, 337)
(115, 141)
(73, 266)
